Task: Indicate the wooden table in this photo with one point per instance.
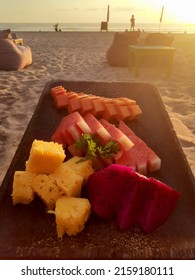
(138, 52)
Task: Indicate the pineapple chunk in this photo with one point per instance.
(68, 181)
(83, 168)
(47, 190)
(45, 157)
(23, 187)
(71, 215)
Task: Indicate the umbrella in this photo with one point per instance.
(108, 13)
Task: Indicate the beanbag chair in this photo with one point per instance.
(158, 39)
(12, 56)
(6, 34)
(117, 53)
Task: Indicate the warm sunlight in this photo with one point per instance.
(179, 11)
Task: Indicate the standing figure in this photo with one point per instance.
(132, 25)
(56, 27)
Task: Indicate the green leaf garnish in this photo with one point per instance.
(92, 148)
(110, 148)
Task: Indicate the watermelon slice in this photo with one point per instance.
(74, 131)
(117, 135)
(136, 159)
(57, 135)
(117, 191)
(97, 127)
(140, 157)
(70, 129)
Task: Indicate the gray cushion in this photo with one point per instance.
(5, 34)
(13, 57)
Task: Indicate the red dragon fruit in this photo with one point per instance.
(118, 191)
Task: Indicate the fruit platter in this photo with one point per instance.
(152, 219)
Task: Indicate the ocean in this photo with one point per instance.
(95, 27)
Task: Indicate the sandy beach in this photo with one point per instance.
(81, 57)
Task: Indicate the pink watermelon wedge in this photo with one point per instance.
(57, 135)
(117, 135)
(97, 127)
(70, 129)
(140, 157)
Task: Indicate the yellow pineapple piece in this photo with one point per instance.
(71, 215)
(68, 181)
(23, 187)
(83, 168)
(45, 157)
(47, 190)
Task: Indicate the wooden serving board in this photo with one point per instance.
(28, 232)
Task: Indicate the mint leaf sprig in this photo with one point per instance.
(92, 148)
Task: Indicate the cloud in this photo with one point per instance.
(127, 9)
(94, 9)
(117, 9)
(113, 9)
(67, 10)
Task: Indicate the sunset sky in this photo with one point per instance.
(86, 11)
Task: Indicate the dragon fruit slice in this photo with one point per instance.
(104, 189)
(128, 210)
(159, 202)
(118, 191)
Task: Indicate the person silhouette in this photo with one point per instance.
(132, 25)
(56, 27)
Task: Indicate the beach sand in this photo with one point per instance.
(81, 57)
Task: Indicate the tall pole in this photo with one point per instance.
(161, 16)
(108, 13)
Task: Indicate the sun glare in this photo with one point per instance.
(179, 11)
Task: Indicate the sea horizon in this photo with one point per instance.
(95, 27)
